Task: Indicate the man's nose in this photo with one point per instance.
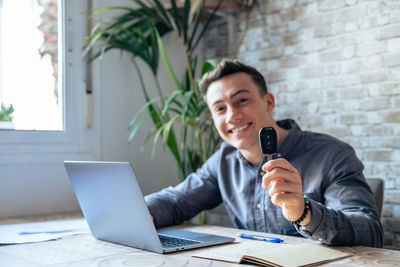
(234, 115)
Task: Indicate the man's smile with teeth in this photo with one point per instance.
(241, 128)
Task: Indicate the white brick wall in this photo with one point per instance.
(334, 66)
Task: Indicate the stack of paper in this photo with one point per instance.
(41, 231)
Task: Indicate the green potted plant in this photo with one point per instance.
(6, 117)
(139, 31)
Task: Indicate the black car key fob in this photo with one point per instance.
(268, 141)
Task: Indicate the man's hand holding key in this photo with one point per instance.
(286, 187)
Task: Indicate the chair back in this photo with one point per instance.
(377, 187)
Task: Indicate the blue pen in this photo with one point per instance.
(46, 232)
(261, 238)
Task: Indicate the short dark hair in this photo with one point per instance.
(231, 66)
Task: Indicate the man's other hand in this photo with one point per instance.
(285, 188)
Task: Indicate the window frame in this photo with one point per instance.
(76, 138)
(1, 81)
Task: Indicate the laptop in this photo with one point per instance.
(114, 208)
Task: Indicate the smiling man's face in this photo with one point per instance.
(239, 111)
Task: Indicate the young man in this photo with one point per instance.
(314, 188)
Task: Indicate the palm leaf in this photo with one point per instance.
(208, 65)
(102, 10)
(140, 112)
(186, 105)
(185, 19)
(167, 64)
(162, 11)
(168, 127)
(136, 128)
(149, 134)
(196, 13)
(170, 100)
(154, 49)
(205, 27)
(176, 16)
(195, 8)
(189, 154)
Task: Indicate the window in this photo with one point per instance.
(54, 127)
(29, 64)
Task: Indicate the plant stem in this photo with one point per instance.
(203, 145)
(159, 90)
(146, 96)
(188, 63)
(203, 217)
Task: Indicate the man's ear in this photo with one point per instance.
(270, 101)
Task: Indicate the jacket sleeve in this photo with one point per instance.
(198, 192)
(348, 214)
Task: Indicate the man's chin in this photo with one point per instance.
(239, 145)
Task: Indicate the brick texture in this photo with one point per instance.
(334, 66)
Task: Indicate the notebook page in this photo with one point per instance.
(300, 255)
(234, 252)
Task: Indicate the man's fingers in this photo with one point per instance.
(280, 175)
(279, 198)
(292, 205)
(279, 163)
(287, 199)
(283, 187)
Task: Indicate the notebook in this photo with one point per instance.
(273, 254)
(114, 208)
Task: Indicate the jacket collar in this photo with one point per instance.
(291, 138)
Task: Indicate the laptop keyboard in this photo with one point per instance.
(173, 242)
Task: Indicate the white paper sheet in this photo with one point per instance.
(41, 231)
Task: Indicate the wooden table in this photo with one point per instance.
(84, 250)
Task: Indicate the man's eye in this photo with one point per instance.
(219, 109)
(242, 100)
